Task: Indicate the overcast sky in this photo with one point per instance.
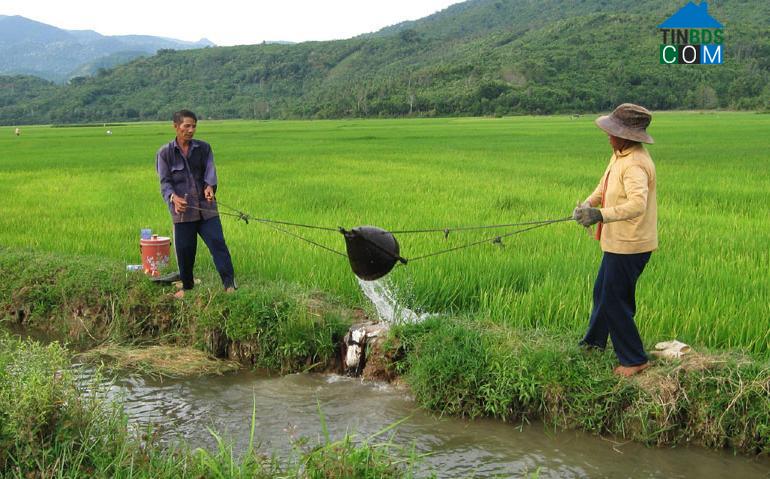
(226, 22)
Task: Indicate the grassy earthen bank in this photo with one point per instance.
(90, 302)
(454, 365)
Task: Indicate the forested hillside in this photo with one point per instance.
(482, 57)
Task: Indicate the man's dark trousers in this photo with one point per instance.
(186, 245)
(615, 307)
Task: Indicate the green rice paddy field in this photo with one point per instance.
(79, 191)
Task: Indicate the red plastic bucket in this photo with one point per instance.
(155, 254)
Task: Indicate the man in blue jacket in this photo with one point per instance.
(188, 182)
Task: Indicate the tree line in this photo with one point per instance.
(573, 65)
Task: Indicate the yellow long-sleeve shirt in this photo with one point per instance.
(630, 208)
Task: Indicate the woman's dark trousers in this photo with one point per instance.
(615, 307)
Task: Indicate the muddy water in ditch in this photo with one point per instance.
(287, 408)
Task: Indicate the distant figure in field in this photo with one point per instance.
(109, 132)
(188, 182)
(17, 131)
(624, 204)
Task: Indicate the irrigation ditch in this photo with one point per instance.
(459, 366)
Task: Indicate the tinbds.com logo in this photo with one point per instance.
(692, 37)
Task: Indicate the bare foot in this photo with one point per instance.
(180, 285)
(628, 371)
(179, 294)
(229, 289)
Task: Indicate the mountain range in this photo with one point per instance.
(479, 57)
(35, 48)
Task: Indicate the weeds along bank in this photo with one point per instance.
(707, 284)
(49, 429)
(87, 301)
(467, 366)
(463, 367)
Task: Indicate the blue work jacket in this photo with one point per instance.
(187, 176)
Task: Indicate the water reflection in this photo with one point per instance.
(287, 407)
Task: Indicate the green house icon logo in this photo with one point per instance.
(692, 36)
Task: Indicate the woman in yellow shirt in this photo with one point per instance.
(625, 206)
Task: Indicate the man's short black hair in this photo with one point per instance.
(180, 115)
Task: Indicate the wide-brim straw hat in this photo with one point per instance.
(628, 121)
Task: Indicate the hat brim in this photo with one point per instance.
(611, 126)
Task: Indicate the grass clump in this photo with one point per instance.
(46, 426)
(460, 367)
(81, 298)
(347, 459)
(276, 326)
